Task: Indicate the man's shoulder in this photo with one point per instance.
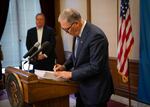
(95, 33)
(48, 28)
(32, 29)
(94, 29)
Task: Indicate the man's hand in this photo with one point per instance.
(58, 67)
(41, 56)
(63, 74)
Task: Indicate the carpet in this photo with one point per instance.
(111, 103)
(3, 95)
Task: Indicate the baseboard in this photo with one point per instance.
(125, 101)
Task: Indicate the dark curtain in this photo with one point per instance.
(4, 4)
(47, 7)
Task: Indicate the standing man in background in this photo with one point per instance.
(88, 63)
(45, 60)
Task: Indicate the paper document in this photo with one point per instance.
(47, 75)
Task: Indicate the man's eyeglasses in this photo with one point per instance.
(67, 29)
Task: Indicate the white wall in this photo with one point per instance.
(79, 5)
(104, 14)
(135, 20)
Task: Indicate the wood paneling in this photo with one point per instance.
(121, 88)
(89, 10)
(59, 42)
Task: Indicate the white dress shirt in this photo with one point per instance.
(39, 35)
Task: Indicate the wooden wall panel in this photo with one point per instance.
(59, 43)
(120, 87)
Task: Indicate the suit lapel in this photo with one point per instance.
(73, 46)
(36, 36)
(73, 49)
(82, 42)
(80, 45)
(43, 35)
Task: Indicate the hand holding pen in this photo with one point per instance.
(58, 67)
(59, 72)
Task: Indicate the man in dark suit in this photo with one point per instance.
(45, 60)
(88, 63)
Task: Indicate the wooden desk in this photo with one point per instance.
(35, 92)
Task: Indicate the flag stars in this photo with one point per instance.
(124, 8)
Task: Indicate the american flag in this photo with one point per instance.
(125, 40)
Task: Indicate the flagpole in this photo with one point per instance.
(129, 86)
(129, 80)
(117, 18)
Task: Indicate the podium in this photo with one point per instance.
(25, 89)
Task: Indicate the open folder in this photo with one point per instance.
(47, 75)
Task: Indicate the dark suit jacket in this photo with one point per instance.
(90, 67)
(48, 35)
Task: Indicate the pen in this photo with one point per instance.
(55, 68)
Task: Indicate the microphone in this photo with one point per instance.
(32, 50)
(43, 46)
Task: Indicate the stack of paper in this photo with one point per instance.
(47, 75)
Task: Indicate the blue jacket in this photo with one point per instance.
(90, 67)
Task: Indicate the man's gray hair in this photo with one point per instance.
(70, 15)
(40, 14)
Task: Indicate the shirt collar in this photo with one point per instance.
(82, 28)
(39, 28)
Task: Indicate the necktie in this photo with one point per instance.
(76, 46)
